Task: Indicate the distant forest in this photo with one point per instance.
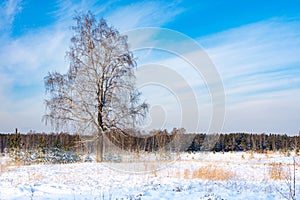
(225, 143)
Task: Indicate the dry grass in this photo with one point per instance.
(177, 174)
(251, 155)
(8, 166)
(212, 172)
(35, 177)
(209, 172)
(3, 168)
(277, 172)
(186, 174)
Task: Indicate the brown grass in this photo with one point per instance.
(212, 172)
(8, 166)
(186, 174)
(3, 168)
(35, 176)
(178, 174)
(277, 172)
(251, 155)
(209, 172)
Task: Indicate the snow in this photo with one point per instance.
(149, 180)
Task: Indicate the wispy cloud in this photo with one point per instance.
(8, 10)
(277, 115)
(260, 67)
(143, 14)
(257, 57)
(123, 17)
(26, 59)
(24, 63)
(66, 8)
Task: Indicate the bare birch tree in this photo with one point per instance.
(98, 91)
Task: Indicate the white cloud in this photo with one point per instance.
(34, 50)
(259, 64)
(143, 14)
(8, 10)
(277, 114)
(66, 8)
(261, 55)
(25, 60)
(260, 67)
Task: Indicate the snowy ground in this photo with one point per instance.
(247, 176)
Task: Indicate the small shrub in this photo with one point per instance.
(58, 155)
(112, 158)
(87, 158)
(297, 152)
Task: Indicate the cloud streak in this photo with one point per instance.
(143, 14)
(257, 55)
(8, 11)
(260, 67)
(24, 63)
(26, 59)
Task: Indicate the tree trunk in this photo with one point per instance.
(99, 157)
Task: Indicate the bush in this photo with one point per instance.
(112, 158)
(58, 155)
(51, 156)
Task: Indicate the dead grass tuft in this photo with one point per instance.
(8, 166)
(3, 168)
(35, 177)
(209, 172)
(186, 174)
(277, 172)
(212, 172)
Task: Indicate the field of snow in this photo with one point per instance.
(192, 176)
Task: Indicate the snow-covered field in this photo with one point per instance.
(193, 176)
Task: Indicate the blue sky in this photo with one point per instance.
(254, 45)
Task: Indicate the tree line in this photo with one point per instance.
(157, 140)
(249, 142)
(32, 141)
